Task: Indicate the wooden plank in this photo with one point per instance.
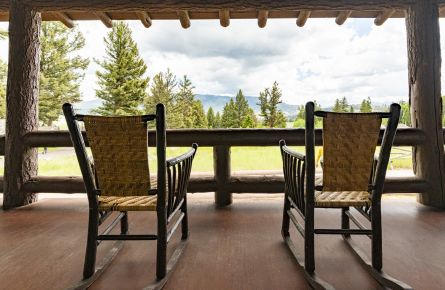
(21, 99)
(424, 65)
(262, 18)
(130, 5)
(224, 17)
(303, 17)
(383, 16)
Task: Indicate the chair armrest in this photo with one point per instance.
(291, 152)
(178, 159)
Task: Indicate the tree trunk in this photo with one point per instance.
(21, 102)
(424, 59)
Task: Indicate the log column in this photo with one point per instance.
(21, 102)
(423, 34)
(221, 164)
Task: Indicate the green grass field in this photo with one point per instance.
(63, 162)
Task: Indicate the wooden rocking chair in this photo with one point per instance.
(118, 180)
(351, 179)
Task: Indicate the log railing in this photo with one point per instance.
(222, 182)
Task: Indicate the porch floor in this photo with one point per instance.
(239, 247)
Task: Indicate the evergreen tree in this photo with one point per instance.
(269, 100)
(162, 90)
(301, 116)
(217, 123)
(366, 106)
(186, 105)
(210, 118)
(351, 109)
(341, 106)
(123, 85)
(61, 69)
(405, 117)
(200, 119)
(228, 118)
(244, 115)
(3, 79)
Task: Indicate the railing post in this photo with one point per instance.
(221, 166)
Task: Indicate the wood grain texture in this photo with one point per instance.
(383, 16)
(133, 5)
(303, 17)
(342, 17)
(21, 100)
(224, 17)
(424, 62)
(222, 170)
(105, 18)
(65, 19)
(145, 18)
(262, 18)
(184, 18)
(240, 247)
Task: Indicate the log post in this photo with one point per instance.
(424, 62)
(221, 165)
(21, 102)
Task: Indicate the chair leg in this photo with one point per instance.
(124, 224)
(309, 251)
(161, 253)
(376, 224)
(286, 219)
(345, 220)
(90, 254)
(184, 223)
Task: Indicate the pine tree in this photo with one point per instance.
(228, 118)
(61, 69)
(405, 117)
(244, 115)
(186, 105)
(200, 119)
(366, 106)
(341, 106)
(269, 100)
(210, 118)
(351, 109)
(123, 85)
(217, 123)
(3, 79)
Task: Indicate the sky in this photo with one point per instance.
(321, 61)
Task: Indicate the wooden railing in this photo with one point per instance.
(222, 182)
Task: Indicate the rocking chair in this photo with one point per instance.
(118, 181)
(351, 179)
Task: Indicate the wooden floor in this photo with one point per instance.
(239, 247)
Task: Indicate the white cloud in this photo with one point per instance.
(321, 61)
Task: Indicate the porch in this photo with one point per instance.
(237, 247)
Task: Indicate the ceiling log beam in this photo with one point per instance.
(202, 5)
(145, 18)
(106, 20)
(262, 18)
(184, 18)
(224, 17)
(303, 17)
(64, 18)
(342, 17)
(383, 16)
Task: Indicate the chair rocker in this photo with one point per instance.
(118, 181)
(351, 180)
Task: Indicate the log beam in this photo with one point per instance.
(424, 64)
(262, 18)
(383, 16)
(224, 17)
(105, 18)
(64, 18)
(194, 5)
(342, 16)
(184, 18)
(303, 17)
(21, 102)
(145, 18)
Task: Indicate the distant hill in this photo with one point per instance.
(214, 101)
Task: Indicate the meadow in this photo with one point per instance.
(63, 162)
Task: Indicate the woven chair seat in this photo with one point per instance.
(339, 199)
(128, 203)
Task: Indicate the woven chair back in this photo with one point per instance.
(119, 148)
(349, 143)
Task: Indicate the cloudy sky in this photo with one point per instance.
(320, 61)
